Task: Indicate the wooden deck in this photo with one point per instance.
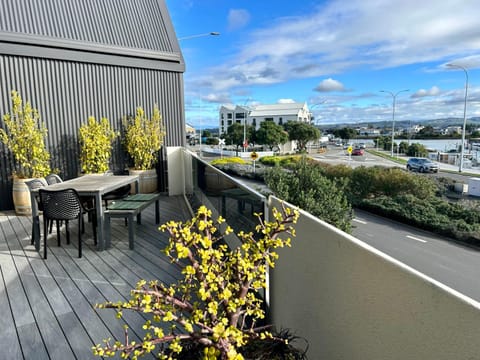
(47, 306)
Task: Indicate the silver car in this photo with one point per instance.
(422, 165)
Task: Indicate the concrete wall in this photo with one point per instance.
(352, 302)
(177, 167)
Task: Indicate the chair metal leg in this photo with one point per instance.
(68, 231)
(45, 234)
(58, 232)
(80, 221)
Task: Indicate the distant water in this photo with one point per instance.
(442, 145)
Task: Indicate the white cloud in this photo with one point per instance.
(285, 101)
(237, 19)
(341, 36)
(329, 85)
(217, 98)
(423, 93)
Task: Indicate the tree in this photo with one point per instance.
(235, 135)
(306, 187)
(271, 134)
(346, 133)
(427, 132)
(417, 150)
(302, 133)
(214, 306)
(403, 147)
(206, 133)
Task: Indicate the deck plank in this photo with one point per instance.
(48, 306)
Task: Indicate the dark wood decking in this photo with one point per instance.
(47, 306)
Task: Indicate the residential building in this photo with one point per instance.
(231, 114)
(254, 115)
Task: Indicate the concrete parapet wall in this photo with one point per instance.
(352, 302)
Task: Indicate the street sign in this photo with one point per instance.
(350, 149)
(221, 142)
(254, 156)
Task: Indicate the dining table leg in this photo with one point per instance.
(99, 214)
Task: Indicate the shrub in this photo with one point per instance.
(144, 138)
(214, 306)
(96, 145)
(306, 187)
(229, 160)
(25, 136)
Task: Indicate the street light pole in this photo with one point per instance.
(245, 114)
(213, 33)
(460, 166)
(394, 96)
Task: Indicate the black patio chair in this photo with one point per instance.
(35, 184)
(53, 179)
(64, 205)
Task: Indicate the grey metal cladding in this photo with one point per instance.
(66, 93)
(76, 58)
(132, 24)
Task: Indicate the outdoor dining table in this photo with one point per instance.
(87, 186)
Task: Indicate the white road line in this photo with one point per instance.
(360, 221)
(416, 239)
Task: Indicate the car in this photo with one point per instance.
(358, 151)
(422, 165)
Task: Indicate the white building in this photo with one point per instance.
(255, 115)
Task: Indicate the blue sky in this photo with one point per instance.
(335, 55)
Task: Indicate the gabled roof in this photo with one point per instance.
(140, 31)
(277, 109)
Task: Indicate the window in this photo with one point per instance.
(280, 121)
(239, 115)
(229, 116)
(229, 122)
(268, 119)
(223, 122)
(222, 115)
(254, 122)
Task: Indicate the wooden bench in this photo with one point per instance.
(127, 208)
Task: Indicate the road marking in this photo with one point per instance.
(416, 239)
(360, 221)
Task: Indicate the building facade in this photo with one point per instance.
(280, 114)
(73, 59)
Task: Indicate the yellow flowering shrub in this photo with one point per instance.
(143, 138)
(216, 298)
(25, 136)
(96, 140)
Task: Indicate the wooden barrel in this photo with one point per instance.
(21, 197)
(147, 182)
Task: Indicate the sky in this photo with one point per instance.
(337, 56)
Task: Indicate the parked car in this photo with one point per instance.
(358, 151)
(422, 165)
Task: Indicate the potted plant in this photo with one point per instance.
(143, 139)
(96, 140)
(25, 135)
(213, 312)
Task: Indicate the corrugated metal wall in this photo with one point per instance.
(66, 93)
(76, 58)
(131, 24)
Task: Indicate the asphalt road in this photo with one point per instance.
(452, 264)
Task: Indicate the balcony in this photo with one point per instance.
(348, 300)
